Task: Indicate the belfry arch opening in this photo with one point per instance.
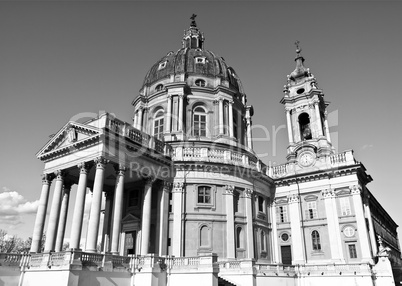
(304, 126)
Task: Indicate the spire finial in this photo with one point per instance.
(298, 49)
(193, 23)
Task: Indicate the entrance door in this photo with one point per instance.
(286, 254)
(130, 242)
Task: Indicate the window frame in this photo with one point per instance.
(311, 212)
(345, 206)
(200, 82)
(282, 214)
(212, 204)
(316, 240)
(201, 132)
(158, 118)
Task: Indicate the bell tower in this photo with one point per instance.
(306, 115)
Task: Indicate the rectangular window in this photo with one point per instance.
(281, 214)
(204, 195)
(133, 198)
(345, 206)
(158, 128)
(311, 211)
(260, 204)
(200, 125)
(352, 251)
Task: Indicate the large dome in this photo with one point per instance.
(192, 60)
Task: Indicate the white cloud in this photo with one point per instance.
(367, 146)
(13, 205)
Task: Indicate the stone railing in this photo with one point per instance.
(124, 129)
(331, 269)
(15, 259)
(219, 155)
(344, 158)
(275, 269)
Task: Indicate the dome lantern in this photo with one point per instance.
(193, 38)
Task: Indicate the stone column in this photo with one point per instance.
(146, 216)
(164, 218)
(274, 243)
(334, 232)
(318, 117)
(135, 118)
(177, 193)
(181, 98)
(326, 127)
(248, 195)
(41, 214)
(117, 209)
(54, 212)
(139, 127)
(63, 217)
(361, 223)
(78, 214)
(296, 229)
(230, 229)
(231, 118)
(94, 216)
(106, 233)
(221, 131)
(289, 123)
(168, 114)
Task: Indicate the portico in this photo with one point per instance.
(115, 160)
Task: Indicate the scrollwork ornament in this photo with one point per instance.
(248, 193)
(229, 190)
(101, 162)
(293, 198)
(60, 174)
(84, 167)
(178, 187)
(47, 179)
(355, 190)
(328, 193)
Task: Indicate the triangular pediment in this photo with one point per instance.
(130, 218)
(70, 135)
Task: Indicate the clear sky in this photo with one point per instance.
(59, 59)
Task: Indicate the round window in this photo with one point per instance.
(285, 237)
(349, 231)
(300, 91)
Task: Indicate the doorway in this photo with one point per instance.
(286, 253)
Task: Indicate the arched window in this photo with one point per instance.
(239, 238)
(315, 238)
(200, 82)
(304, 125)
(204, 195)
(263, 242)
(159, 87)
(158, 125)
(199, 122)
(204, 236)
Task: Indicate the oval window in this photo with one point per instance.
(300, 91)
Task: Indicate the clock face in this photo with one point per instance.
(306, 159)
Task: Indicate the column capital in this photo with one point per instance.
(288, 109)
(84, 167)
(149, 180)
(231, 102)
(169, 96)
(120, 169)
(166, 186)
(229, 189)
(248, 193)
(178, 187)
(272, 203)
(47, 179)
(101, 162)
(181, 96)
(220, 98)
(355, 189)
(293, 198)
(328, 193)
(60, 174)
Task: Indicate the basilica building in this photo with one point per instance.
(179, 196)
